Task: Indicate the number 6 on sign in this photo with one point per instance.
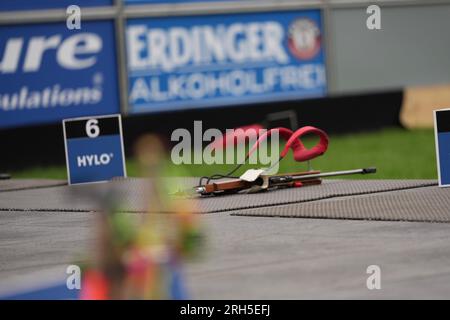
(92, 129)
(94, 149)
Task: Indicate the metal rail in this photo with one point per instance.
(118, 10)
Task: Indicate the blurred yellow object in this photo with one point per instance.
(144, 260)
(419, 103)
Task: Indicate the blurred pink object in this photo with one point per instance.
(95, 286)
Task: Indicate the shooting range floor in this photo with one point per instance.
(46, 226)
(403, 200)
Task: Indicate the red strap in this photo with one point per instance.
(283, 133)
(234, 136)
(301, 153)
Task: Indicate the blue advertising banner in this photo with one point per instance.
(48, 72)
(442, 134)
(10, 5)
(217, 60)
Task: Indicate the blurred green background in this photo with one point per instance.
(397, 154)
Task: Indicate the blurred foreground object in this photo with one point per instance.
(141, 256)
(419, 104)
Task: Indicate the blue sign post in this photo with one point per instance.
(94, 149)
(442, 135)
(217, 60)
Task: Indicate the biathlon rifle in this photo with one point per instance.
(255, 181)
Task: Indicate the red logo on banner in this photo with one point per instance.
(304, 39)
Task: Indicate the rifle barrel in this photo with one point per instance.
(335, 174)
(276, 180)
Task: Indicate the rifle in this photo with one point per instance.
(255, 181)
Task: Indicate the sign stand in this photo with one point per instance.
(442, 136)
(94, 149)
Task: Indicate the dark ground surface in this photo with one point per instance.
(249, 257)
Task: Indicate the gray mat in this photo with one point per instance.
(133, 195)
(431, 204)
(329, 189)
(22, 184)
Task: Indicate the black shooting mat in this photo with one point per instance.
(427, 204)
(133, 195)
(22, 184)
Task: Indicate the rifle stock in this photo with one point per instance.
(296, 179)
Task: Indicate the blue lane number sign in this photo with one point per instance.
(442, 134)
(94, 149)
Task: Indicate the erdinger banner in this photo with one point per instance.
(202, 61)
(7, 5)
(48, 72)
